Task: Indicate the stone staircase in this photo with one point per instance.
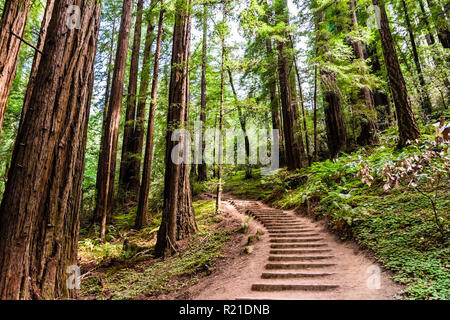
(299, 258)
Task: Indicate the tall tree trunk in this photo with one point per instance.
(316, 136)
(424, 97)
(178, 220)
(368, 134)
(294, 154)
(222, 88)
(37, 57)
(334, 117)
(302, 103)
(440, 21)
(202, 170)
(274, 99)
(243, 123)
(39, 214)
(108, 152)
(142, 211)
(12, 26)
(129, 174)
(407, 125)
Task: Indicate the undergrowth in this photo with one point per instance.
(398, 225)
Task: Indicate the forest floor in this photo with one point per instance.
(364, 225)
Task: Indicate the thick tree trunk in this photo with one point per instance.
(368, 134)
(108, 152)
(129, 174)
(202, 170)
(178, 220)
(407, 125)
(12, 26)
(37, 57)
(142, 211)
(295, 157)
(41, 204)
(424, 96)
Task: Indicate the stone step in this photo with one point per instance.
(296, 275)
(299, 258)
(297, 266)
(297, 245)
(295, 287)
(286, 225)
(293, 240)
(283, 231)
(290, 235)
(301, 251)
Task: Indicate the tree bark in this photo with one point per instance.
(12, 26)
(129, 173)
(37, 57)
(41, 204)
(202, 169)
(142, 211)
(108, 152)
(294, 154)
(424, 96)
(408, 129)
(178, 220)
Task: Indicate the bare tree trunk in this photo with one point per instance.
(129, 174)
(424, 96)
(12, 26)
(37, 57)
(108, 151)
(178, 220)
(39, 214)
(407, 125)
(202, 170)
(142, 212)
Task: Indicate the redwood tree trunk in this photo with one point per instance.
(142, 211)
(129, 174)
(41, 204)
(37, 57)
(12, 26)
(294, 154)
(407, 126)
(108, 152)
(178, 220)
(202, 170)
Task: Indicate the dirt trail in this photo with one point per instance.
(296, 258)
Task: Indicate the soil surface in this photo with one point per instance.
(295, 258)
